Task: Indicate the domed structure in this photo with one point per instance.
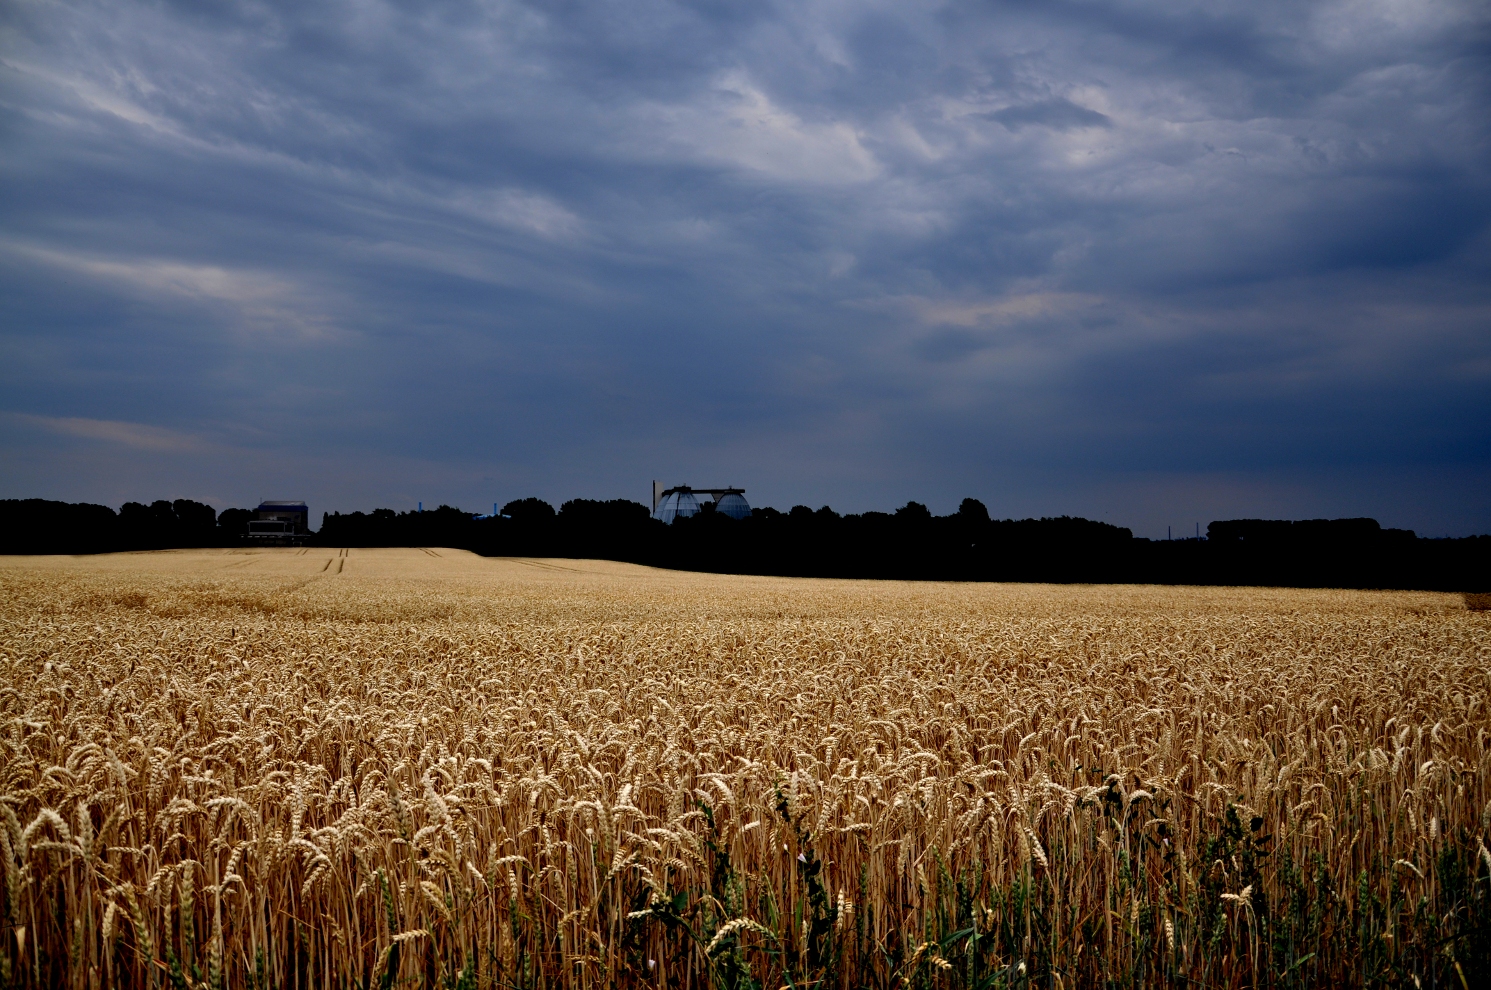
(732, 504)
(669, 504)
(676, 504)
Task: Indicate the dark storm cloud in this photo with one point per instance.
(1133, 260)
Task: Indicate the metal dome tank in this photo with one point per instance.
(676, 505)
(734, 505)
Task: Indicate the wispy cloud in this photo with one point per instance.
(133, 436)
(736, 124)
(999, 311)
(266, 303)
(94, 95)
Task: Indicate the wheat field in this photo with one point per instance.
(316, 768)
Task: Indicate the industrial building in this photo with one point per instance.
(280, 522)
(669, 504)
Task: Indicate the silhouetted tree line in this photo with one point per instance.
(615, 530)
(35, 525)
(966, 545)
(908, 543)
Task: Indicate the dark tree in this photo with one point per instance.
(913, 512)
(528, 510)
(971, 510)
(35, 525)
(234, 522)
(194, 517)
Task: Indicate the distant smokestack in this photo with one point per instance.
(421, 507)
(657, 490)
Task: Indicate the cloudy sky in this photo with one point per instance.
(1152, 263)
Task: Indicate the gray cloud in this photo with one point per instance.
(1118, 258)
(1057, 114)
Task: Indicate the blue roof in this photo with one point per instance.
(733, 505)
(676, 505)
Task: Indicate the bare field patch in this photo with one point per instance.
(308, 768)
